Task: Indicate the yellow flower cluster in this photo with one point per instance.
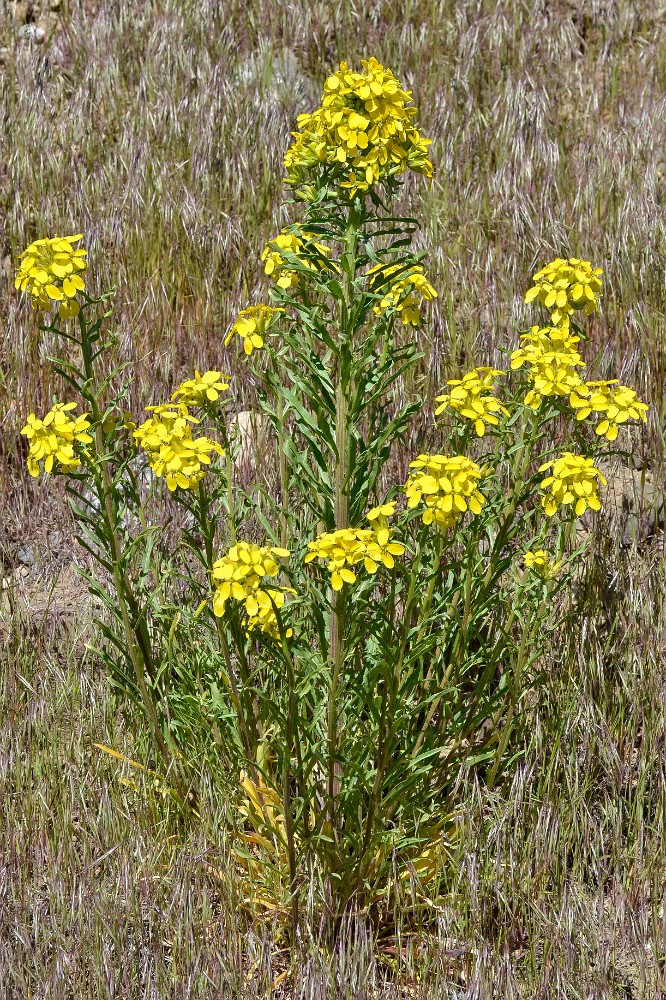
(566, 285)
(347, 547)
(52, 439)
(202, 388)
(364, 131)
(540, 561)
(277, 266)
(544, 342)
(552, 357)
(171, 449)
(406, 295)
(614, 402)
(573, 480)
(467, 398)
(252, 324)
(448, 485)
(238, 575)
(50, 271)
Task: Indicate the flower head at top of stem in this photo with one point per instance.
(238, 576)
(201, 389)
(364, 132)
(573, 480)
(564, 286)
(541, 562)
(405, 295)
(469, 396)
(614, 403)
(252, 324)
(300, 244)
(349, 547)
(171, 449)
(448, 485)
(51, 270)
(53, 439)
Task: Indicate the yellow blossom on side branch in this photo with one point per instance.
(202, 388)
(541, 563)
(448, 486)
(552, 358)
(172, 450)
(238, 576)
(573, 480)
(406, 295)
(615, 403)
(552, 375)
(566, 285)
(51, 271)
(543, 342)
(252, 324)
(364, 132)
(349, 547)
(279, 268)
(52, 439)
(467, 398)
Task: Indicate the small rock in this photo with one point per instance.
(55, 540)
(33, 32)
(26, 555)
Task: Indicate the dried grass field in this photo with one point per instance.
(158, 129)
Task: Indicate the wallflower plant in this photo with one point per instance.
(344, 642)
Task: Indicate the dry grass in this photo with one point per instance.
(158, 130)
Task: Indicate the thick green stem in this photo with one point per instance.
(284, 473)
(341, 494)
(291, 730)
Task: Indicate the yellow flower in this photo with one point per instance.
(172, 451)
(566, 285)
(378, 516)
(448, 485)
(553, 375)
(364, 131)
(265, 619)
(238, 576)
(406, 295)
(552, 359)
(52, 439)
(467, 399)
(540, 342)
(573, 480)
(617, 403)
(202, 388)
(277, 266)
(540, 561)
(252, 324)
(50, 271)
(348, 547)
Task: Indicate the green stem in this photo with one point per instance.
(284, 472)
(341, 495)
(229, 474)
(291, 729)
(386, 717)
